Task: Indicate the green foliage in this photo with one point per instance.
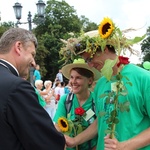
(60, 20)
(136, 39)
(75, 126)
(145, 46)
(119, 89)
(146, 57)
(107, 68)
(124, 106)
(5, 26)
(41, 53)
(87, 25)
(62, 15)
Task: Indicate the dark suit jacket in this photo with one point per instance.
(24, 124)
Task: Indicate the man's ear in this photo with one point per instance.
(18, 47)
(90, 81)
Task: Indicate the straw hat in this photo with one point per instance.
(80, 63)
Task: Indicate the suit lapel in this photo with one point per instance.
(9, 67)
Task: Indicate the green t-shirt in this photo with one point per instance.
(138, 118)
(61, 112)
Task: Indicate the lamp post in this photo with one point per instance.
(40, 12)
(18, 10)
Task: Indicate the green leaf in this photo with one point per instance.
(79, 129)
(71, 126)
(103, 95)
(113, 113)
(128, 109)
(107, 100)
(119, 32)
(121, 107)
(102, 113)
(125, 106)
(119, 76)
(124, 93)
(116, 120)
(126, 78)
(109, 120)
(129, 83)
(136, 39)
(107, 68)
(108, 131)
(110, 126)
(68, 115)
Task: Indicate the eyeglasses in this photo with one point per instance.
(88, 60)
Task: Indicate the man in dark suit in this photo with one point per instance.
(24, 124)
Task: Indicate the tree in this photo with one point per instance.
(60, 20)
(87, 25)
(145, 46)
(5, 26)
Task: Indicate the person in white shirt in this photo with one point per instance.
(57, 92)
(62, 89)
(50, 99)
(59, 75)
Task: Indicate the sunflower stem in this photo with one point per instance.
(75, 133)
(112, 135)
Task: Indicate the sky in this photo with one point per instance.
(124, 13)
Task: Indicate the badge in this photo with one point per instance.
(89, 114)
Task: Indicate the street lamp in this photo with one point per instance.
(40, 13)
(18, 9)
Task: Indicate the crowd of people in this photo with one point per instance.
(103, 105)
(50, 92)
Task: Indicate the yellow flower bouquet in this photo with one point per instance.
(72, 127)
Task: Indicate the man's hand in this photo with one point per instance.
(70, 142)
(114, 144)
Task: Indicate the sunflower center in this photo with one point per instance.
(63, 123)
(105, 28)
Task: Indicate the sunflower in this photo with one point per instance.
(63, 124)
(106, 28)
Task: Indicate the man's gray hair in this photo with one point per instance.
(13, 35)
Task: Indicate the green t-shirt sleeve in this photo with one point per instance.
(96, 98)
(61, 109)
(40, 99)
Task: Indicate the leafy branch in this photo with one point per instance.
(111, 117)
